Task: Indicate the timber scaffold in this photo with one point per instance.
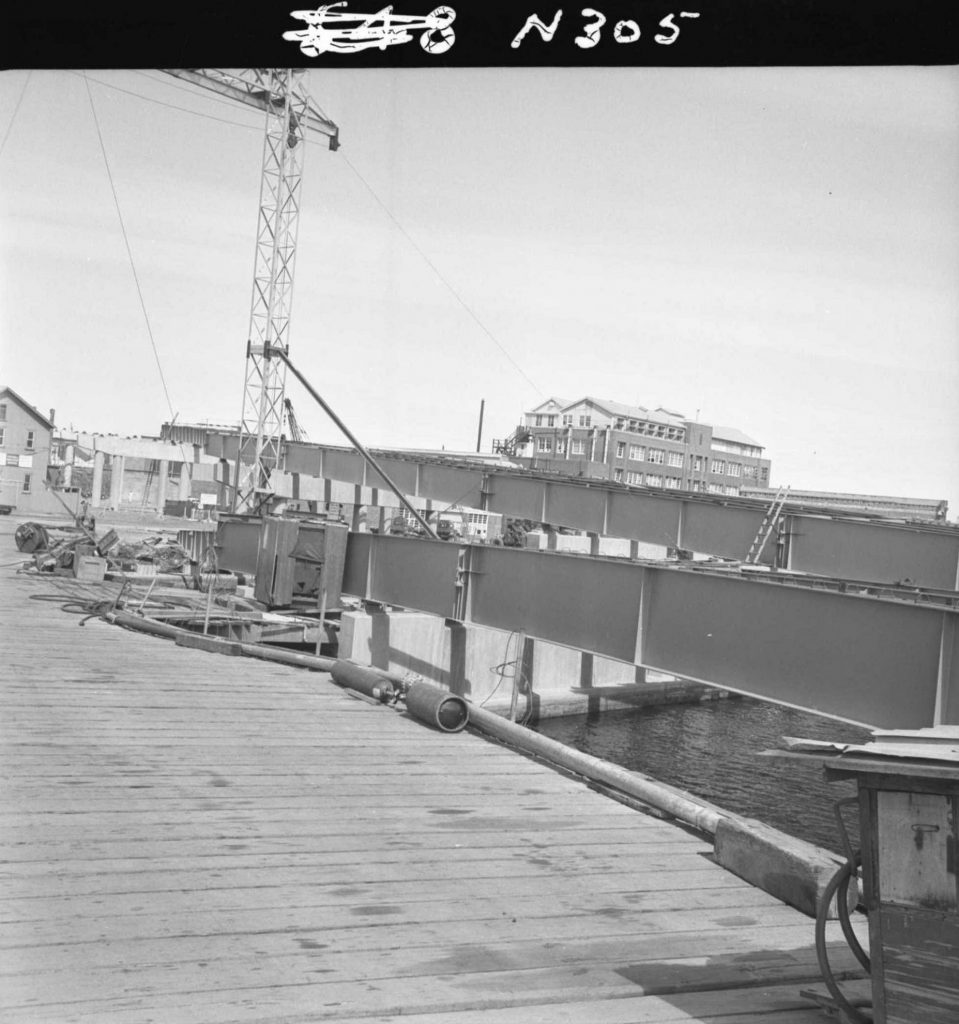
(191, 838)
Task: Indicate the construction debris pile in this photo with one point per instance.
(165, 554)
(68, 550)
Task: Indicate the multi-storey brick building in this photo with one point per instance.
(630, 444)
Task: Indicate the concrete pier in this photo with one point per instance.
(481, 664)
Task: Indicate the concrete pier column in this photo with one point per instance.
(585, 670)
(69, 458)
(223, 490)
(383, 519)
(161, 484)
(594, 544)
(634, 549)
(357, 508)
(116, 479)
(98, 459)
(186, 482)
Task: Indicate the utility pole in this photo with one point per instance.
(479, 433)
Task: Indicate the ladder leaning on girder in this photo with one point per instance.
(283, 93)
(767, 526)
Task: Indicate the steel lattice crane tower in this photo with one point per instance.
(284, 95)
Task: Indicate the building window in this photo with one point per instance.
(544, 444)
(29, 439)
(657, 455)
(538, 422)
(576, 448)
(763, 474)
(618, 475)
(697, 462)
(3, 410)
(637, 452)
(567, 420)
(715, 488)
(749, 472)
(550, 421)
(672, 482)
(584, 421)
(620, 449)
(2, 431)
(735, 469)
(634, 478)
(654, 480)
(26, 483)
(560, 446)
(717, 466)
(675, 459)
(729, 489)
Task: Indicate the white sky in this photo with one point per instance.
(775, 248)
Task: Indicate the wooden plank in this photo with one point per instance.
(364, 909)
(185, 999)
(378, 932)
(769, 1003)
(570, 843)
(627, 887)
(920, 959)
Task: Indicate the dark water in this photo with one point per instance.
(712, 750)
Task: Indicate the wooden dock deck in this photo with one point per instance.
(187, 837)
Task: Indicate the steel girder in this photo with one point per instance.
(880, 662)
(922, 555)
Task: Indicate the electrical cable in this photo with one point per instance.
(191, 89)
(500, 669)
(838, 886)
(13, 116)
(523, 687)
(518, 676)
(456, 295)
(163, 103)
(136, 278)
